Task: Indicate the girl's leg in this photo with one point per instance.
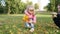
(27, 25)
(32, 27)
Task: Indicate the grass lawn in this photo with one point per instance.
(13, 24)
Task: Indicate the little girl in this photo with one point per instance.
(30, 18)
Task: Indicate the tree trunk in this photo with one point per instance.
(9, 10)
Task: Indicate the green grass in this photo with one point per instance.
(13, 24)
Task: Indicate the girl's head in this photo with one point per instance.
(30, 9)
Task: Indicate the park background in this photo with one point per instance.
(12, 11)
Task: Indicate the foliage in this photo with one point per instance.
(36, 6)
(52, 6)
(48, 7)
(13, 7)
(16, 6)
(56, 4)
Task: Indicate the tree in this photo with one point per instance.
(36, 6)
(29, 2)
(56, 4)
(51, 6)
(48, 7)
(8, 6)
(2, 6)
(15, 6)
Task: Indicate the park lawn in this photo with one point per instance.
(13, 24)
(38, 15)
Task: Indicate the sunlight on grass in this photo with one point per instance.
(38, 15)
(15, 25)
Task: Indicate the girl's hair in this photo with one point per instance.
(27, 9)
(29, 6)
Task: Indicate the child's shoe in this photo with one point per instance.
(32, 29)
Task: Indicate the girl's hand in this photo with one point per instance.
(34, 22)
(54, 14)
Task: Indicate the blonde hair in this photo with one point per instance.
(29, 6)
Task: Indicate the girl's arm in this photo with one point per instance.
(26, 12)
(34, 21)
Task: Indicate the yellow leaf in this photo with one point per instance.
(18, 32)
(14, 26)
(11, 33)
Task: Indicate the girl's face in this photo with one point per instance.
(31, 10)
